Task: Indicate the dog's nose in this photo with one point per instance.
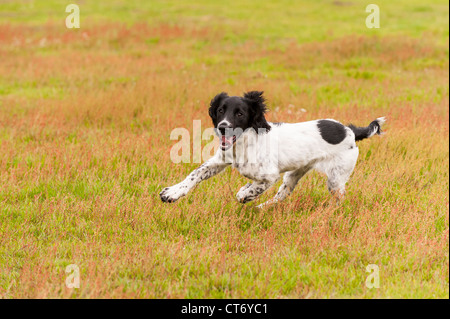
(224, 127)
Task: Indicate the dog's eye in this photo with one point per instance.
(220, 111)
(239, 114)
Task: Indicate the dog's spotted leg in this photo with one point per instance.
(247, 194)
(204, 171)
(243, 188)
(290, 180)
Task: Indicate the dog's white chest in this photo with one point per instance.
(254, 171)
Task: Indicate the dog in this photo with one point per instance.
(271, 149)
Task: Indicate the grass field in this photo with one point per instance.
(85, 120)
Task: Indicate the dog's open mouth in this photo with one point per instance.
(227, 142)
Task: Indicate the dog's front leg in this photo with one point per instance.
(204, 171)
(247, 194)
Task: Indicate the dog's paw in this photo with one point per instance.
(173, 193)
(241, 199)
(243, 188)
(243, 196)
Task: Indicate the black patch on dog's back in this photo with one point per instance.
(332, 132)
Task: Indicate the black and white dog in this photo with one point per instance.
(270, 149)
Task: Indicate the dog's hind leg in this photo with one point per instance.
(339, 172)
(290, 180)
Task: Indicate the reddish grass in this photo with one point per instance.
(84, 151)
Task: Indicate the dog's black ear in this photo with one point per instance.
(215, 102)
(257, 102)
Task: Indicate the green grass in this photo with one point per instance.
(85, 121)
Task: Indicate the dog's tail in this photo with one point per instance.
(369, 131)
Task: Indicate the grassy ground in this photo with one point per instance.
(85, 119)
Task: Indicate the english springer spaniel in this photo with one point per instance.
(262, 150)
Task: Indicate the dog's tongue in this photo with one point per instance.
(227, 140)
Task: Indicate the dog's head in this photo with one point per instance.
(232, 115)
